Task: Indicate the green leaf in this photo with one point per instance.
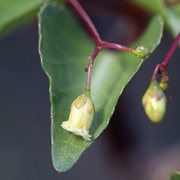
(176, 9)
(15, 12)
(158, 7)
(175, 176)
(64, 50)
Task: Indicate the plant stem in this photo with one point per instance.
(85, 18)
(172, 49)
(160, 68)
(116, 46)
(95, 35)
(90, 66)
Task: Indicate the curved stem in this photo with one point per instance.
(172, 49)
(90, 66)
(115, 46)
(162, 67)
(95, 35)
(85, 18)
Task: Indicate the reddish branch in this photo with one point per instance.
(90, 26)
(100, 44)
(95, 35)
(162, 67)
(85, 18)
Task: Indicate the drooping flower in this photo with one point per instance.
(81, 116)
(154, 102)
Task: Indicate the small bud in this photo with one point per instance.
(163, 85)
(140, 52)
(164, 82)
(81, 116)
(154, 102)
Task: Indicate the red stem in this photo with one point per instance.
(85, 18)
(90, 66)
(115, 46)
(95, 35)
(172, 49)
(162, 66)
(156, 71)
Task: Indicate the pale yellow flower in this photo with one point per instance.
(81, 116)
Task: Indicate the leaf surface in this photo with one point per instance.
(176, 9)
(64, 50)
(171, 17)
(15, 12)
(175, 176)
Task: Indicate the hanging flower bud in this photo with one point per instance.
(140, 52)
(81, 116)
(164, 81)
(154, 102)
(163, 85)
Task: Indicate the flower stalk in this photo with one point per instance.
(91, 28)
(154, 100)
(140, 52)
(162, 67)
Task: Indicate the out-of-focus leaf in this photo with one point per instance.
(175, 9)
(175, 176)
(15, 12)
(64, 50)
(158, 7)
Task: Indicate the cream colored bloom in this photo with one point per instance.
(81, 116)
(154, 102)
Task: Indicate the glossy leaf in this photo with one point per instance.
(64, 50)
(158, 7)
(15, 12)
(175, 176)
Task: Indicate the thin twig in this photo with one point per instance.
(95, 35)
(90, 66)
(85, 18)
(160, 68)
(116, 46)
